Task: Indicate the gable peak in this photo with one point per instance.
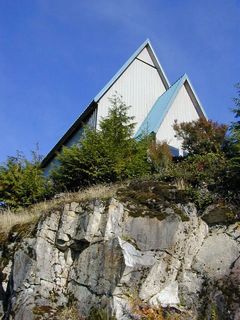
(145, 44)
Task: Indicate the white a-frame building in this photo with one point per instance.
(155, 104)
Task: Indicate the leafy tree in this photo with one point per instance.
(234, 145)
(201, 136)
(22, 182)
(236, 125)
(106, 155)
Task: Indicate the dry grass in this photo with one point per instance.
(145, 311)
(95, 192)
(10, 219)
(70, 313)
(31, 215)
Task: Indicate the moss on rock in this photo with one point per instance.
(219, 214)
(152, 198)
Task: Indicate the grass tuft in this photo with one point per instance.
(10, 219)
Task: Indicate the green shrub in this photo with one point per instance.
(22, 182)
(201, 197)
(83, 165)
(160, 155)
(196, 170)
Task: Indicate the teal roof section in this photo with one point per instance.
(127, 64)
(160, 108)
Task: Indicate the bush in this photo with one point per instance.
(83, 165)
(201, 197)
(201, 136)
(197, 170)
(160, 155)
(22, 182)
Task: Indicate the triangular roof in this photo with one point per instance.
(93, 104)
(146, 44)
(161, 107)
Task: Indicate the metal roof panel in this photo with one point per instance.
(162, 105)
(160, 108)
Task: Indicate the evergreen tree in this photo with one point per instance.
(107, 155)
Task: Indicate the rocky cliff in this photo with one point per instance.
(147, 247)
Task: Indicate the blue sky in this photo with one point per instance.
(55, 55)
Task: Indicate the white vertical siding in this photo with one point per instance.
(140, 85)
(182, 110)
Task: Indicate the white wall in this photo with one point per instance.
(144, 55)
(140, 85)
(182, 110)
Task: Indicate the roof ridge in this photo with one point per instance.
(167, 91)
(181, 77)
(128, 63)
(163, 104)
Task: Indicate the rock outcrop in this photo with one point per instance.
(104, 254)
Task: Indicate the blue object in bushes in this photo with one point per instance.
(3, 205)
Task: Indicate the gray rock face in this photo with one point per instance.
(216, 256)
(97, 255)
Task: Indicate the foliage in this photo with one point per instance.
(201, 197)
(106, 155)
(111, 154)
(201, 136)
(85, 165)
(236, 110)
(145, 311)
(117, 126)
(202, 177)
(160, 155)
(22, 182)
(234, 146)
(198, 169)
(69, 313)
(100, 314)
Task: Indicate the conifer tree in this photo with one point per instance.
(107, 155)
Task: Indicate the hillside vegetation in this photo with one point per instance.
(209, 171)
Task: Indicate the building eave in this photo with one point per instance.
(75, 126)
(193, 95)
